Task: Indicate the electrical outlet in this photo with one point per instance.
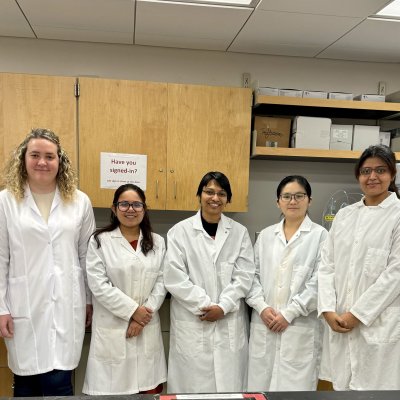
(382, 88)
(246, 79)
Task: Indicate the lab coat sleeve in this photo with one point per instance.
(87, 228)
(385, 289)
(326, 275)
(159, 291)
(111, 297)
(305, 302)
(4, 260)
(242, 277)
(177, 280)
(255, 298)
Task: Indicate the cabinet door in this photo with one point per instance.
(119, 116)
(36, 101)
(208, 130)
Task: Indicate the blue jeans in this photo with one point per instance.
(52, 383)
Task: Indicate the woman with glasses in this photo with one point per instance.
(124, 268)
(209, 269)
(285, 337)
(359, 281)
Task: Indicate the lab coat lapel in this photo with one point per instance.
(124, 243)
(223, 231)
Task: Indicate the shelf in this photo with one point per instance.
(292, 106)
(281, 153)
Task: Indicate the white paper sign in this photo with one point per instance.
(117, 169)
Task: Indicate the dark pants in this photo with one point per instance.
(52, 383)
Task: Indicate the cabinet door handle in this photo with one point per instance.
(175, 190)
(157, 189)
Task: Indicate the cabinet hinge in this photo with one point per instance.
(77, 89)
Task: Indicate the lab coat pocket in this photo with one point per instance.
(189, 340)
(152, 338)
(18, 297)
(109, 344)
(297, 345)
(149, 281)
(226, 273)
(375, 262)
(385, 329)
(259, 335)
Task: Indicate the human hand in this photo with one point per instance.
(89, 315)
(142, 315)
(268, 315)
(134, 329)
(336, 322)
(6, 326)
(278, 324)
(350, 320)
(211, 313)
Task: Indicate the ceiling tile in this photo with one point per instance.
(281, 33)
(372, 40)
(12, 20)
(346, 8)
(187, 25)
(109, 21)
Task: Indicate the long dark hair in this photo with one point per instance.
(147, 242)
(387, 156)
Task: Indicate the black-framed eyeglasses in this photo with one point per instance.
(287, 197)
(125, 205)
(378, 170)
(211, 193)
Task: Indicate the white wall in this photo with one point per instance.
(213, 68)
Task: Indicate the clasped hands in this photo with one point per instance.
(342, 323)
(140, 318)
(211, 313)
(274, 320)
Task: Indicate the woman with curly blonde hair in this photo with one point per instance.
(45, 225)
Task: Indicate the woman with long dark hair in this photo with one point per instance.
(124, 268)
(359, 281)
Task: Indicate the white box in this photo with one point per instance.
(312, 94)
(384, 138)
(311, 132)
(341, 137)
(291, 92)
(364, 136)
(268, 91)
(370, 97)
(340, 96)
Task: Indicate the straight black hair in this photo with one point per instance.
(147, 242)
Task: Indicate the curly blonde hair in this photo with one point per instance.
(16, 174)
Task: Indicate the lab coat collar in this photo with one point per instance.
(117, 234)
(224, 222)
(30, 201)
(389, 201)
(305, 225)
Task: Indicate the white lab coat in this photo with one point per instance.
(286, 279)
(122, 279)
(199, 272)
(360, 273)
(42, 280)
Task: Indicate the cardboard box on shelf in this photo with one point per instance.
(291, 92)
(268, 91)
(370, 97)
(340, 96)
(312, 94)
(341, 137)
(364, 136)
(272, 132)
(312, 132)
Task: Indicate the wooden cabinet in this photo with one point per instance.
(36, 101)
(185, 130)
(118, 116)
(335, 109)
(6, 376)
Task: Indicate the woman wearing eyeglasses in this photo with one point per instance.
(124, 268)
(285, 334)
(359, 281)
(209, 268)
